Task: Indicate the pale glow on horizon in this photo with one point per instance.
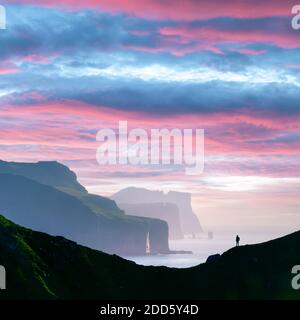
(219, 183)
(244, 183)
(157, 72)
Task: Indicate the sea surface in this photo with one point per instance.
(202, 248)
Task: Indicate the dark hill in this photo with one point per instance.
(40, 266)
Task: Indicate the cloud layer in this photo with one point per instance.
(69, 68)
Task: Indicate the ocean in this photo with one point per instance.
(201, 248)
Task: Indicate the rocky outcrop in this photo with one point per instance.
(57, 204)
(189, 220)
(158, 236)
(213, 258)
(189, 223)
(166, 211)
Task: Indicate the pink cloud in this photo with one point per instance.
(4, 71)
(35, 59)
(214, 37)
(66, 132)
(74, 125)
(250, 51)
(178, 10)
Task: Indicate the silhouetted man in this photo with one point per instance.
(237, 240)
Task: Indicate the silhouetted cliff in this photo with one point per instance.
(189, 223)
(166, 211)
(50, 173)
(57, 204)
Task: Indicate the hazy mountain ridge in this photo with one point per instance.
(51, 173)
(59, 176)
(47, 197)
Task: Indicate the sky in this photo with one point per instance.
(70, 68)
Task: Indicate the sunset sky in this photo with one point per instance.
(69, 68)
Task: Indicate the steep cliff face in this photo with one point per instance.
(68, 210)
(158, 236)
(131, 197)
(46, 209)
(59, 176)
(166, 211)
(50, 173)
(189, 221)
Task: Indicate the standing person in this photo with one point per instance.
(237, 240)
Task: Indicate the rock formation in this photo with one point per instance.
(166, 211)
(132, 199)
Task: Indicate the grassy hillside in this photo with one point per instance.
(40, 266)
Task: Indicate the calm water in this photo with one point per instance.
(201, 248)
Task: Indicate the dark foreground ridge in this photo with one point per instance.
(40, 266)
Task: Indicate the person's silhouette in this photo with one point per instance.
(237, 240)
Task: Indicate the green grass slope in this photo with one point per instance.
(40, 266)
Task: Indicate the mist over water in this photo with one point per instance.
(201, 248)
